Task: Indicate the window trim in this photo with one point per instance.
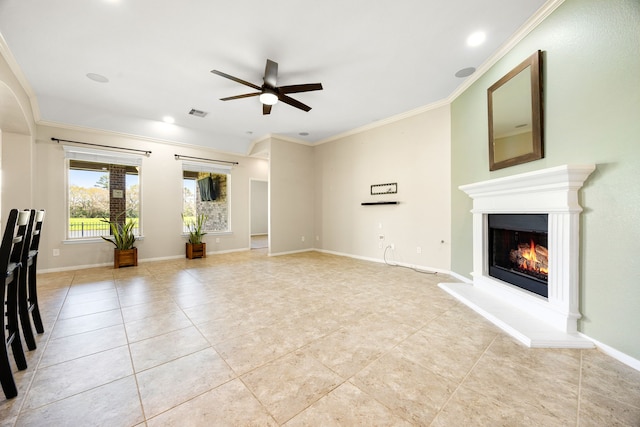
(216, 168)
(99, 156)
(206, 168)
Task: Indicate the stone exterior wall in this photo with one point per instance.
(217, 211)
(117, 181)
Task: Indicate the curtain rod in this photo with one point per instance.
(180, 156)
(146, 152)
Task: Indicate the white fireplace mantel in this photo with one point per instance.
(534, 320)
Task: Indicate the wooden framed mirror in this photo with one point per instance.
(515, 115)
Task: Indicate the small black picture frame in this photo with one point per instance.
(390, 188)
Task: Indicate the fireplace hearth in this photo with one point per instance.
(526, 231)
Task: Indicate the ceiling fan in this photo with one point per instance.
(269, 92)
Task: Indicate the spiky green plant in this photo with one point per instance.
(195, 227)
(122, 236)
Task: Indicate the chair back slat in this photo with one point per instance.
(23, 217)
(37, 231)
(20, 250)
(8, 241)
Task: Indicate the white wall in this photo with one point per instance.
(414, 153)
(161, 188)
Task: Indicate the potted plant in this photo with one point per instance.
(122, 237)
(195, 247)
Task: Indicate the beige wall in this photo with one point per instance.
(17, 180)
(412, 152)
(259, 207)
(161, 189)
(16, 141)
(291, 195)
(592, 115)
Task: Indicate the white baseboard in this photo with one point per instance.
(362, 258)
(616, 354)
(140, 261)
(291, 252)
(382, 261)
(460, 277)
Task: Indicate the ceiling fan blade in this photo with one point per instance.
(300, 88)
(266, 109)
(246, 95)
(293, 102)
(271, 73)
(235, 79)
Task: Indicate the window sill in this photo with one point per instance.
(212, 233)
(90, 240)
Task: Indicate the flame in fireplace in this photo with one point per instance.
(532, 260)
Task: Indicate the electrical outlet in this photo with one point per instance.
(418, 250)
(56, 252)
(217, 240)
(302, 239)
(317, 238)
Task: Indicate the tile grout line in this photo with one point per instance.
(579, 389)
(44, 348)
(465, 378)
(133, 369)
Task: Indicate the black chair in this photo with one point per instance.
(10, 251)
(34, 308)
(27, 285)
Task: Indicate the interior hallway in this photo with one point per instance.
(305, 339)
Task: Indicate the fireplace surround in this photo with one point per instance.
(533, 319)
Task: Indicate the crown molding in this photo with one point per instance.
(522, 32)
(384, 122)
(22, 80)
(535, 20)
(109, 133)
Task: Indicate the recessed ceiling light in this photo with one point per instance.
(97, 78)
(465, 72)
(168, 119)
(476, 38)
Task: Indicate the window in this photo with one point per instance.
(205, 191)
(101, 186)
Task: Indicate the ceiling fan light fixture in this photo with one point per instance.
(268, 98)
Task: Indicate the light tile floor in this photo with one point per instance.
(307, 339)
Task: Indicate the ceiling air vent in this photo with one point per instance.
(198, 113)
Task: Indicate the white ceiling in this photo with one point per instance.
(375, 59)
